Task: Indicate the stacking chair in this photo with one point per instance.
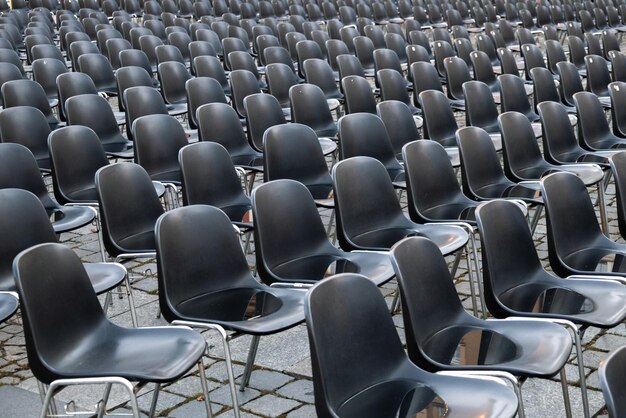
(264, 111)
(27, 126)
(514, 99)
(425, 77)
(98, 67)
(517, 285)
(45, 72)
(81, 47)
(617, 91)
(292, 245)
(560, 145)
(127, 213)
(173, 76)
(309, 106)
(440, 125)
(437, 326)
(280, 79)
(320, 73)
(206, 66)
(609, 374)
(364, 134)
(399, 123)
(210, 178)
(240, 60)
(391, 385)
(94, 111)
(598, 75)
(377, 224)
(457, 74)
(200, 91)
(47, 274)
(594, 132)
(184, 235)
(393, 87)
(218, 122)
(481, 110)
(243, 83)
(28, 93)
(358, 95)
(544, 89)
(482, 175)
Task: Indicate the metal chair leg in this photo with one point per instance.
(254, 346)
(155, 399)
(105, 398)
(205, 389)
(566, 400)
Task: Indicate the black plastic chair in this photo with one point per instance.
(544, 89)
(393, 87)
(481, 110)
(617, 92)
(517, 285)
(240, 60)
(27, 126)
(206, 66)
(46, 274)
(99, 68)
(264, 111)
(594, 132)
(598, 75)
(358, 95)
(280, 79)
(218, 122)
(309, 106)
(210, 178)
(610, 372)
(28, 93)
(399, 123)
(364, 134)
(291, 244)
(200, 91)
(243, 83)
(320, 73)
(173, 76)
(560, 145)
(457, 73)
(482, 175)
(128, 224)
(618, 167)
(220, 289)
(95, 112)
(390, 385)
(158, 139)
(45, 72)
(441, 334)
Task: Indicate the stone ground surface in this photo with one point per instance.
(281, 384)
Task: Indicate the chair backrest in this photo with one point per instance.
(292, 151)
(425, 77)
(365, 221)
(364, 134)
(173, 76)
(94, 111)
(480, 107)
(128, 77)
(128, 214)
(287, 227)
(480, 165)
(399, 123)
(457, 73)
(27, 93)
(609, 373)
(141, 101)
(23, 223)
(430, 302)
(483, 69)
(544, 88)
(158, 139)
(337, 377)
(577, 51)
(320, 73)
(280, 78)
(598, 75)
(520, 150)
(593, 129)
(114, 47)
(27, 126)
(209, 178)
(200, 91)
(441, 51)
(358, 95)
(618, 167)
(617, 92)
(184, 238)
(571, 222)
(393, 86)
(243, 83)
(98, 67)
(618, 66)
(309, 107)
(70, 85)
(218, 122)
(513, 96)
(76, 154)
(78, 48)
(505, 266)
(206, 66)
(264, 111)
(19, 170)
(559, 139)
(439, 122)
(49, 274)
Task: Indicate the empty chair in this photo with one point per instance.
(393, 87)
(306, 50)
(280, 79)
(166, 53)
(609, 374)
(560, 145)
(79, 48)
(306, 97)
(442, 50)
(425, 77)
(533, 57)
(514, 99)
(72, 84)
(554, 54)
(114, 47)
(541, 348)
(136, 58)
(358, 95)
(389, 370)
(399, 123)
(296, 249)
(240, 60)
(28, 93)
(173, 76)
(206, 66)
(363, 134)
(320, 73)
(598, 76)
(27, 126)
(128, 77)
(617, 91)
(10, 56)
(200, 91)
(141, 101)
(457, 73)
(482, 175)
(618, 66)
(516, 283)
(10, 72)
(99, 68)
(594, 132)
(206, 229)
(218, 122)
(544, 89)
(48, 51)
(181, 41)
(95, 112)
(577, 53)
(480, 109)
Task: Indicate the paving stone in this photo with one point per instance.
(305, 411)
(267, 380)
(193, 408)
(165, 402)
(301, 390)
(271, 406)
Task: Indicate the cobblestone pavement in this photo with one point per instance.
(281, 382)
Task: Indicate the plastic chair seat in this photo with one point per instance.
(67, 218)
(250, 310)
(512, 191)
(328, 145)
(176, 109)
(8, 306)
(373, 265)
(589, 174)
(90, 193)
(138, 242)
(517, 347)
(105, 276)
(157, 355)
(120, 149)
(252, 162)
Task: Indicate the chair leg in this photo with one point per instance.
(455, 264)
(602, 206)
(535, 219)
(254, 346)
(329, 228)
(205, 389)
(471, 280)
(481, 293)
(105, 398)
(155, 399)
(395, 303)
(566, 400)
(131, 301)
